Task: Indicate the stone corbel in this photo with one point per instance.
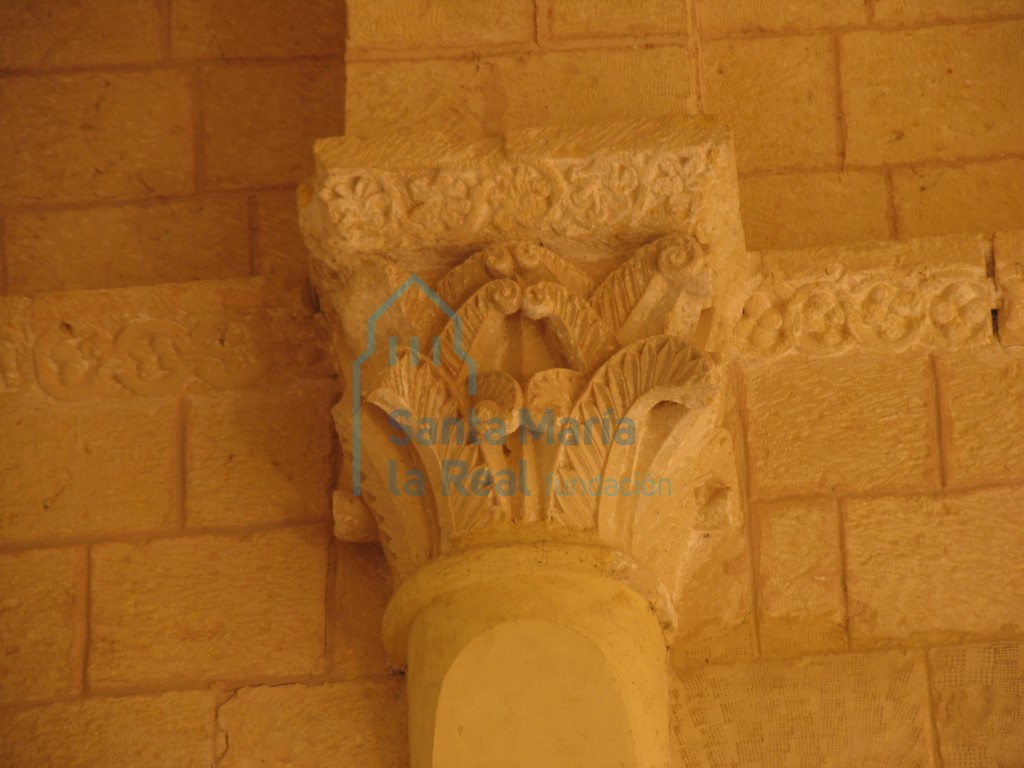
(532, 333)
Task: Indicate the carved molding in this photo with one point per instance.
(157, 341)
(501, 198)
(887, 310)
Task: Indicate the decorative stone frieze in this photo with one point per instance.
(885, 297)
(887, 310)
(158, 341)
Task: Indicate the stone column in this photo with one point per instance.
(531, 330)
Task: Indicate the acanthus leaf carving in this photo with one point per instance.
(530, 376)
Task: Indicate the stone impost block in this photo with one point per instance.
(978, 197)
(65, 138)
(208, 607)
(778, 96)
(841, 709)
(200, 239)
(309, 102)
(265, 28)
(934, 569)
(42, 623)
(40, 35)
(800, 573)
(983, 415)
(806, 210)
(259, 456)
(166, 730)
(888, 297)
(357, 723)
(546, 88)
(966, 79)
(860, 422)
(978, 691)
(738, 17)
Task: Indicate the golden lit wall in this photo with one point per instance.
(170, 593)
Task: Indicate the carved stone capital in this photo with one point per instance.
(531, 330)
(548, 312)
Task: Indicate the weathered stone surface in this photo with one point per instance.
(48, 33)
(939, 199)
(778, 96)
(243, 28)
(800, 574)
(885, 297)
(754, 16)
(963, 255)
(276, 241)
(917, 11)
(589, 19)
(309, 99)
(167, 730)
(951, 74)
(75, 126)
(134, 245)
(362, 586)
(398, 25)
(929, 569)
(978, 695)
(842, 710)
(983, 415)
(74, 471)
(208, 607)
(260, 456)
(1009, 264)
(716, 605)
(551, 88)
(160, 340)
(42, 623)
(855, 423)
(359, 723)
(803, 210)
